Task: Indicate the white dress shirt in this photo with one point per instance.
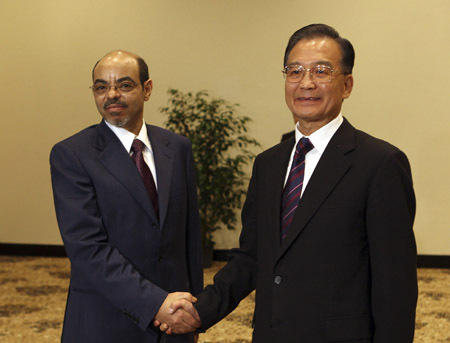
(127, 138)
(320, 140)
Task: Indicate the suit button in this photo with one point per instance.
(277, 279)
(155, 226)
(160, 259)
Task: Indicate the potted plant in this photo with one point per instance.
(220, 149)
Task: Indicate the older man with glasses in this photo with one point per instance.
(327, 238)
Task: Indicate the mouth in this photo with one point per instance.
(311, 98)
(114, 105)
(307, 100)
(114, 108)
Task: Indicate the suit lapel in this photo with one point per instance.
(117, 161)
(332, 166)
(275, 179)
(164, 159)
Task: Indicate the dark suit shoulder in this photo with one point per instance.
(164, 134)
(86, 144)
(365, 152)
(373, 144)
(349, 139)
(84, 135)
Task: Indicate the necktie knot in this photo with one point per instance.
(304, 146)
(137, 145)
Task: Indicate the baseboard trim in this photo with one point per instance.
(433, 261)
(32, 250)
(423, 261)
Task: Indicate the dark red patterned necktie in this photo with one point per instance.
(293, 188)
(145, 172)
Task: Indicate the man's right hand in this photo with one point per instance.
(178, 319)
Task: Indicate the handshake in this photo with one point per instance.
(177, 314)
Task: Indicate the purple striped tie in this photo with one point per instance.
(145, 172)
(293, 188)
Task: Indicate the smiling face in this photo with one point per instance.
(316, 104)
(120, 106)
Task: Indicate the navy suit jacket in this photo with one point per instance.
(346, 272)
(124, 261)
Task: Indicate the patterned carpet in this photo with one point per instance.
(33, 293)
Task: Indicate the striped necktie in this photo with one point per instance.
(293, 188)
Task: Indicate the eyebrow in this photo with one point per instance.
(126, 78)
(122, 79)
(100, 81)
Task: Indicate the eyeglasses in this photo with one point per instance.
(122, 87)
(319, 74)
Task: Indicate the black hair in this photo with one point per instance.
(143, 70)
(322, 30)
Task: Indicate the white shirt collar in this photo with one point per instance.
(321, 137)
(127, 137)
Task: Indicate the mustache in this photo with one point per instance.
(115, 102)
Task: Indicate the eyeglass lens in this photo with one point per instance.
(122, 87)
(318, 73)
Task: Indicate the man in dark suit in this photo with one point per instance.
(336, 262)
(125, 199)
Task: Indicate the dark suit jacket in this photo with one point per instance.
(124, 260)
(288, 135)
(346, 271)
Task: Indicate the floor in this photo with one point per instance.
(33, 293)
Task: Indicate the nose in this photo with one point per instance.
(307, 82)
(113, 92)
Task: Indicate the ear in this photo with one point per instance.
(148, 86)
(348, 86)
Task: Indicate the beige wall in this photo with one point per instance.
(233, 48)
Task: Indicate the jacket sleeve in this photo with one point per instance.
(237, 278)
(389, 217)
(103, 268)
(193, 234)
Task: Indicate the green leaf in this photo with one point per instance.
(220, 144)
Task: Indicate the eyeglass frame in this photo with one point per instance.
(306, 70)
(115, 85)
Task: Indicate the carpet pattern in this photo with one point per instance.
(33, 293)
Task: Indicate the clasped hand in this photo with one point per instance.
(177, 314)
